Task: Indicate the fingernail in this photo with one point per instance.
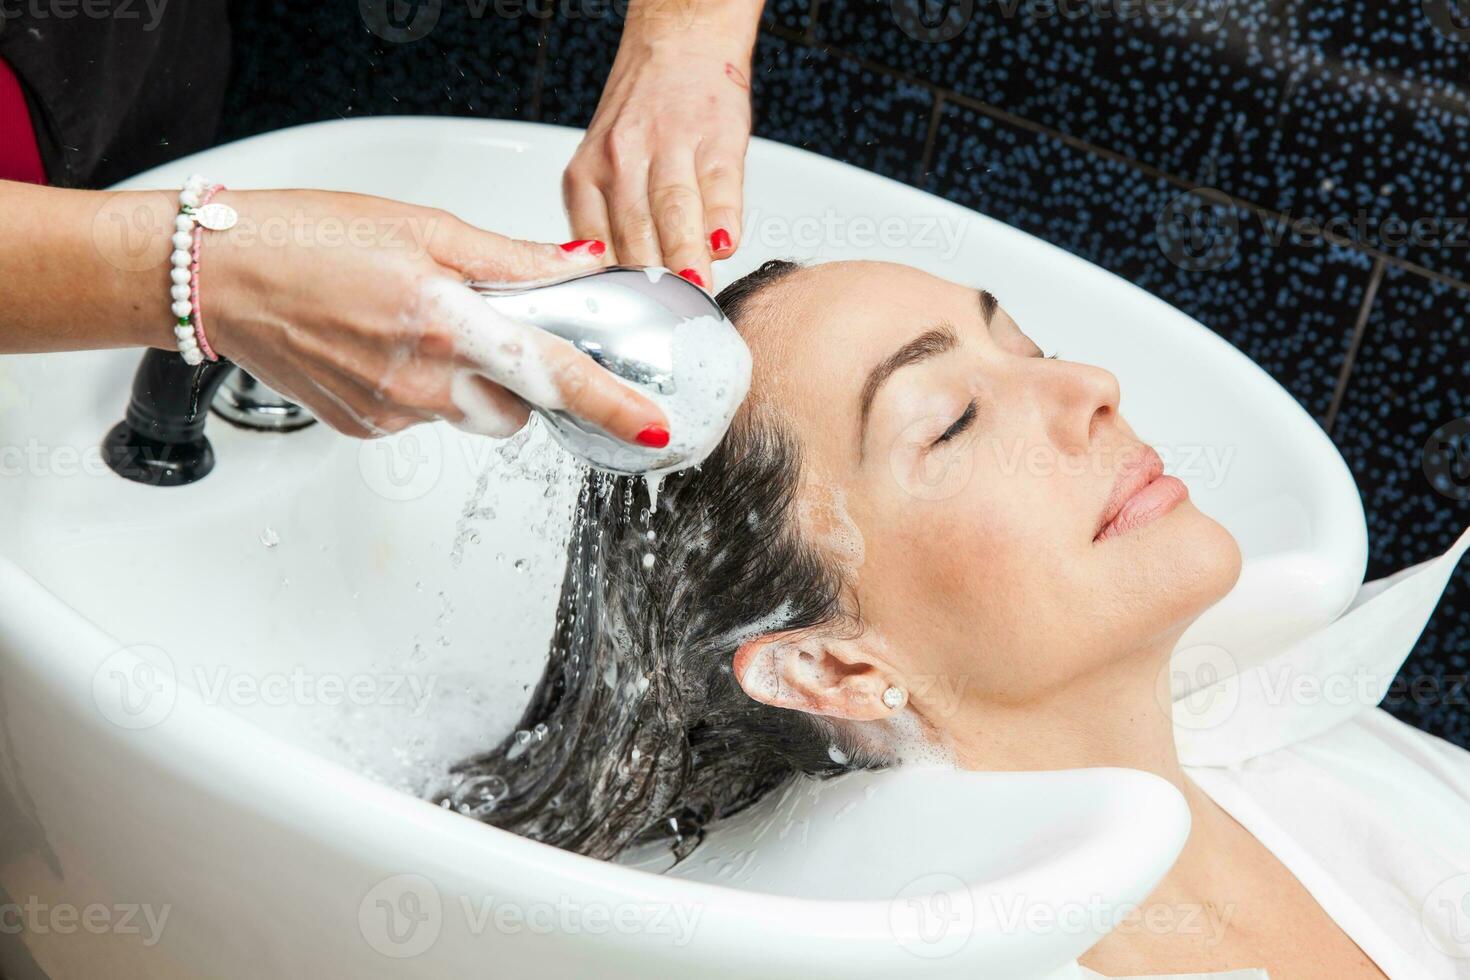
(655, 436)
(719, 241)
(692, 276)
(594, 247)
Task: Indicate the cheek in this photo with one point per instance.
(989, 582)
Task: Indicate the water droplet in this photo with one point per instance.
(648, 561)
(269, 537)
(479, 795)
(520, 565)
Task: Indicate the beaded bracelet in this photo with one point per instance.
(195, 214)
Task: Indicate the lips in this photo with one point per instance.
(1141, 493)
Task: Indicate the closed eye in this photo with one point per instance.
(960, 424)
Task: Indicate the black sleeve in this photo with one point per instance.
(118, 86)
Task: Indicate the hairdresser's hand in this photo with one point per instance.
(659, 174)
(356, 307)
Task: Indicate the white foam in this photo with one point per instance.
(481, 415)
(508, 353)
(824, 517)
(711, 369)
(905, 740)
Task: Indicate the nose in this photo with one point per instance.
(1080, 401)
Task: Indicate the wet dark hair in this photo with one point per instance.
(638, 730)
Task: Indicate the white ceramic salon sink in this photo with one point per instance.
(219, 700)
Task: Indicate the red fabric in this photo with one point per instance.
(19, 157)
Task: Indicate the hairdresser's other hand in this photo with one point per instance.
(356, 307)
(659, 174)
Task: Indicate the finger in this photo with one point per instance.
(403, 398)
(586, 210)
(634, 235)
(541, 368)
(721, 188)
(678, 215)
(592, 393)
(336, 400)
(481, 406)
(477, 254)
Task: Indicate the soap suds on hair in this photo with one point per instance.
(823, 516)
(711, 371)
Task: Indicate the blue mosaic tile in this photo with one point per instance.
(802, 96)
(1404, 429)
(297, 63)
(1371, 134)
(579, 55)
(788, 15)
(1289, 307)
(1172, 85)
(837, 108)
(1420, 42)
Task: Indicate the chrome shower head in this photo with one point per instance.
(658, 333)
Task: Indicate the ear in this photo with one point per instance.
(815, 674)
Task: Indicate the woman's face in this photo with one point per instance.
(960, 477)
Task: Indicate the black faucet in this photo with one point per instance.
(160, 440)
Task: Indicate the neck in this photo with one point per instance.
(1119, 716)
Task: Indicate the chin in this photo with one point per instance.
(1209, 559)
(1184, 562)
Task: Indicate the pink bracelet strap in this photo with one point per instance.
(198, 311)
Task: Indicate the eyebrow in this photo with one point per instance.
(988, 303)
(929, 344)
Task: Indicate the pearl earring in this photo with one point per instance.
(894, 697)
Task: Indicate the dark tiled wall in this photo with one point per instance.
(1293, 173)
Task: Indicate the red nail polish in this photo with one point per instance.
(655, 436)
(719, 241)
(692, 276)
(594, 247)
